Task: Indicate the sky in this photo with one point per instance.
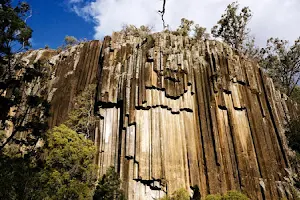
(52, 20)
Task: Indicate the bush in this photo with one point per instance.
(293, 134)
(185, 27)
(131, 30)
(200, 33)
(234, 195)
(213, 197)
(230, 195)
(70, 40)
(180, 194)
(296, 94)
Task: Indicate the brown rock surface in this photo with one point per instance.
(178, 113)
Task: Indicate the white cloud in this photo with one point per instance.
(271, 18)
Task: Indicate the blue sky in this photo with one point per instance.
(52, 20)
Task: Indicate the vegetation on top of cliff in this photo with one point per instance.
(131, 30)
(200, 33)
(232, 27)
(282, 61)
(71, 40)
(185, 27)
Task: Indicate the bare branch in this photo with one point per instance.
(29, 16)
(162, 13)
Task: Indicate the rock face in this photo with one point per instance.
(178, 113)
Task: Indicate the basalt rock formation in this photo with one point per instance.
(175, 113)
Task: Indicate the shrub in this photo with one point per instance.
(234, 195)
(131, 30)
(185, 27)
(213, 197)
(200, 33)
(293, 134)
(70, 40)
(230, 195)
(180, 194)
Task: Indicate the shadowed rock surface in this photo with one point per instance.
(177, 113)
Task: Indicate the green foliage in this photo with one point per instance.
(200, 32)
(108, 188)
(13, 27)
(250, 49)
(21, 87)
(131, 30)
(185, 27)
(68, 171)
(71, 40)
(81, 118)
(213, 197)
(282, 62)
(293, 134)
(62, 169)
(180, 194)
(296, 94)
(230, 195)
(25, 105)
(234, 195)
(13, 171)
(232, 27)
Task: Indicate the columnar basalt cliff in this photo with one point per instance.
(177, 113)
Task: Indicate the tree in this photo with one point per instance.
(23, 107)
(232, 27)
(70, 40)
(14, 32)
(14, 170)
(81, 119)
(185, 27)
(67, 171)
(293, 134)
(200, 32)
(61, 169)
(131, 30)
(250, 49)
(108, 188)
(282, 62)
(296, 94)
